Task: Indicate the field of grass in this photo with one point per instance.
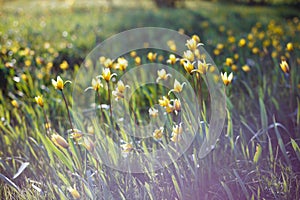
(46, 152)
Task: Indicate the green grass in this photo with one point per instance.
(256, 157)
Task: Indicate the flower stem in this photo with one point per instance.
(69, 116)
(47, 124)
(101, 111)
(109, 100)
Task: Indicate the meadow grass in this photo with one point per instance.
(256, 157)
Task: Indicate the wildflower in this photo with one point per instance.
(177, 105)
(24, 77)
(289, 46)
(236, 56)
(175, 138)
(158, 133)
(246, 68)
(188, 66)
(162, 75)
(151, 56)
(189, 55)
(285, 66)
(126, 148)
(137, 60)
(229, 62)
(220, 46)
(59, 83)
(76, 135)
(75, 194)
(202, 67)
(164, 101)
(196, 38)
(242, 42)
(27, 63)
(234, 68)
(255, 50)
(192, 44)
(172, 45)
(177, 129)
(96, 84)
(39, 60)
(102, 59)
(160, 58)
(177, 87)
(227, 79)
(133, 54)
(122, 64)
(231, 39)
(106, 74)
(119, 91)
(169, 108)
(14, 103)
(47, 126)
(108, 63)
(64, 65)
(172, 59)
(153, 112)
(217, 52)
(39, 100)
(59, 141)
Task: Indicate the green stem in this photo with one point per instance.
(69, 116)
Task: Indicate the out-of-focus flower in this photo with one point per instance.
(102, 59)
(64, 65)
(14, 103)
(177, 87)
(284, 66)
(246, 68)
(39, 100)
(234, 68)
(290, 46)
(108, 63)
(255, 50)
(119, 91)
(133, 54)
(137, 60)
(151, 56)
(127, 147)
(27, 63)
(59, 141)
(242, 42)
(158, 133)
(229, 62)
(75, 194)
(153, 112)
(227, 79)
(172, 59)
(122, 64)
(162, 75)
